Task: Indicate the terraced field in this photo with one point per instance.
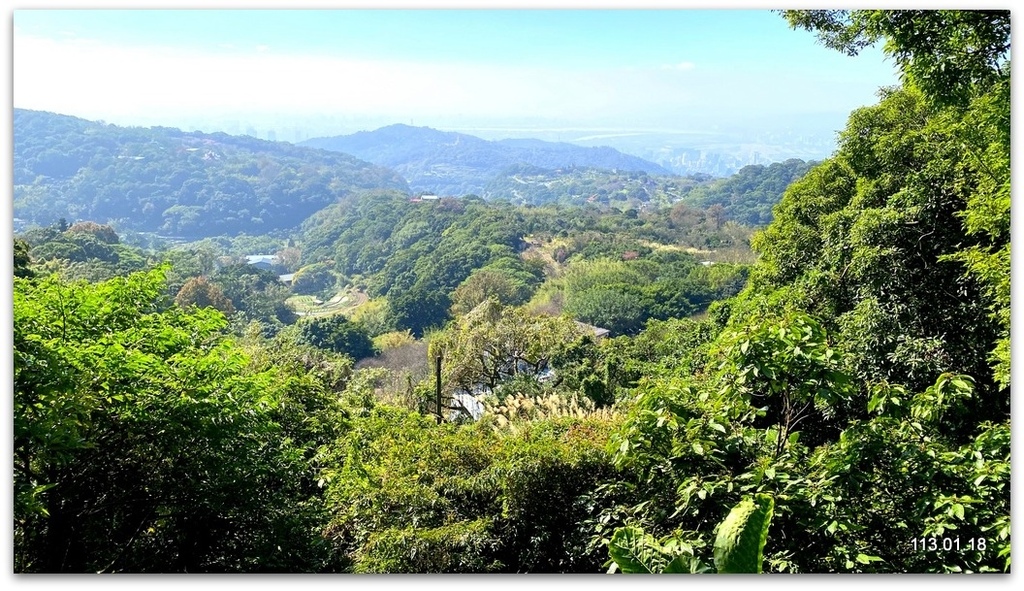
(344, 302)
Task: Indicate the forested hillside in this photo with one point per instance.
(419, 254)
(477, 386)
(576, 186)
(746, 197)
(448, 163)
(749, 196)
(196, 185)
(172, 182)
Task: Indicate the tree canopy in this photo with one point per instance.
(948, 54)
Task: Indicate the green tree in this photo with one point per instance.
(145, 442)
(493, 344)
(869, 243)
(336, 333)
(949, 54)
(419, 309)
(313, 279)
(257, 293)
(22, 260)
(485, 283)
(619, 310)
(411, 496)
(197, 260)
(786, 367)
(375, 316)
(896, 244)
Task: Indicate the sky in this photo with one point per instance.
(657, 68)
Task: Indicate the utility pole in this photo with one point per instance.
(437, 388)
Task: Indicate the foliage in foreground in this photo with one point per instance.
(862, 376)
(853, 499)
(409, 495)
(739, 545)
(146, 441)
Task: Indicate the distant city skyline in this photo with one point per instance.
(303, 73)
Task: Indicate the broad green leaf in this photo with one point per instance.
(742, 536)
(634, 551)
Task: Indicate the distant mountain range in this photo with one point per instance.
(449, 163)
(193, 184)
(178, 183)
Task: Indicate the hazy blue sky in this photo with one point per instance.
(667, 68)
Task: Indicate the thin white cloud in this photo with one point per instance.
(92, 79)
(125, 85)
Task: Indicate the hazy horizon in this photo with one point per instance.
(296, 74)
